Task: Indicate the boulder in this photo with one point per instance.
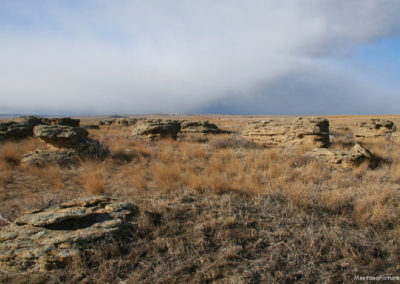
(200, 127)
(354, 157)
(61, 136)
(375, 128)
(156, 129)
(46, 239)
(60, 157)
(14, 131)
(312, 131)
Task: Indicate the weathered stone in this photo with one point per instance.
(157, 129)
(33, 120)
(22, 127)
(45, 239)
(61, 136)
(123, 122)
(200, 127)
(60, 157)
(313, 131)
(67, 121)
(14, 131)
(375, 128)
(354, 157)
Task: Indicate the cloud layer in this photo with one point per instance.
(281, 57)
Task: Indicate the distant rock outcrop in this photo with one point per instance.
(200, 127)
(354, 157)
(121, 122)
(375, 128)
(43, 240)
(67, 121)
(313, 131)
(106, 122)
(154, 129)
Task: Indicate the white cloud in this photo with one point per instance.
(162, 56)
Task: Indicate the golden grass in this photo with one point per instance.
(216, 172)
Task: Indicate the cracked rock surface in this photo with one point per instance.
(47, 239)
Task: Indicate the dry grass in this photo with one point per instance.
(226, 210)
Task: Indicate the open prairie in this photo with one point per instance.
(221, 204)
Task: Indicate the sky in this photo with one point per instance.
(289, 57)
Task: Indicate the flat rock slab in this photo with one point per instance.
(47, 239)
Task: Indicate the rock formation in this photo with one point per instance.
(47, 239)
(157, 129)
(354, 157)
(67, 121)
(60, 157)
(121, 122)
(14, 131)
(200, 127)
(32, 120)
(65, 137)
(22, 127)
(61, 136)
(375, 128)
(313, 131)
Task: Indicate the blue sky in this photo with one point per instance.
(232, 57)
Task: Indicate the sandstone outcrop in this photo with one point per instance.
(313, 131)
(32, 120)
(67, 137)
(14, 131)
(154, 129)
(354, 157)
(60, 157)
(67, 121)
(47, 239)
(22, 127)
(375, 128)
(200, 127)
(123, 122)
(61, 136)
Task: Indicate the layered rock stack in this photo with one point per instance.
(69, 145)
(313, 131)
(42, 240)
